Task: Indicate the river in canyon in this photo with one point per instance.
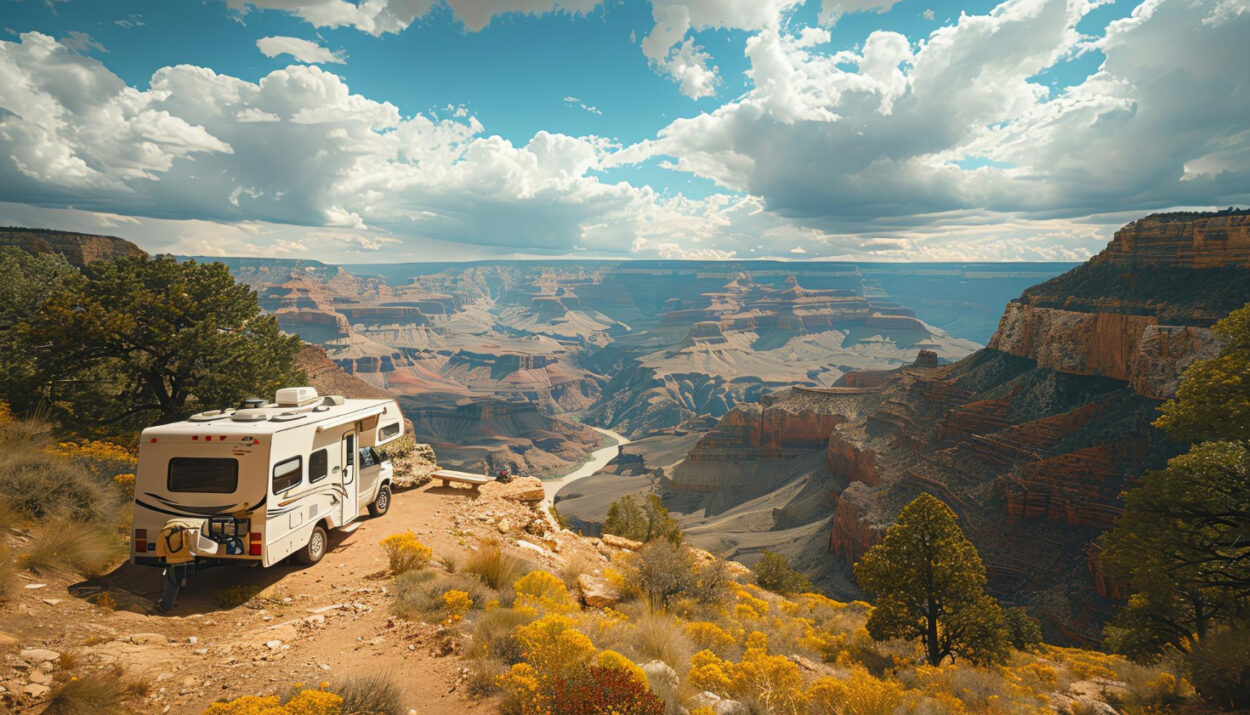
(598, 460)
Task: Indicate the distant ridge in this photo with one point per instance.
(78, 248)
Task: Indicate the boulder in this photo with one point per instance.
(621, 542)
(662, 679)
(39, 655)
(705, 699)
(597, 592)
(732, 707)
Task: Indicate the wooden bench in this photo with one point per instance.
(449, 475)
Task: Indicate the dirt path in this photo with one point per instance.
(321, 623)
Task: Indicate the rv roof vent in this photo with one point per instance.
(250, 415)
(333, 401)
(251, 403)
(296, 396)
(207, 416)
(286, 417)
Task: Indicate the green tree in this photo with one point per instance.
(153, 340)
(1023, 632)
(1213, 400)
(646, 523)
(930, 586)
(1183, 546)
(26, 281)
(775, 573)
(662, 571)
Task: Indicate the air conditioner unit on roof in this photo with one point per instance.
(296, 396)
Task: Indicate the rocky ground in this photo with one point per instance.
(328, 622)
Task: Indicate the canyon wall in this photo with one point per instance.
(79, 249)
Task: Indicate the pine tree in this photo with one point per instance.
(930, 586)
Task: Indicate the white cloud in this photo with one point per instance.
(875, 147)
(579, 103)
(831, 10)
(378, 17)
(928, 14)
(300, 49)
(82, 42)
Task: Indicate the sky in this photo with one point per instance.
(364, 131)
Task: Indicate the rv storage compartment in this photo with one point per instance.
(230, 532)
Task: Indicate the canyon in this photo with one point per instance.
(1031, 440)
(499, 362)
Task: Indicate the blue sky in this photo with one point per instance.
(870, 129)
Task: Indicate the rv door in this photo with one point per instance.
(351, 501)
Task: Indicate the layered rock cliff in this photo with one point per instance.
(79, 249)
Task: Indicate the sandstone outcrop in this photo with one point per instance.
(79, 249)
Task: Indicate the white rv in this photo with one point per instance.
(263, 481)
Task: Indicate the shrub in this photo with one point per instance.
(376, 694)
(456, 603)
(658, 636)
(861, 694)
(1221, 668)
(543, 591)
(8, 572)
(1023, 631)
(494, 566)
(495, 634)
(305, 702)
(38, 487)
(661, 572)
(405, 552)
(646, 523)
(65, 545)
(99, 692)
(775, 573)
(606, 690)
(422, 593)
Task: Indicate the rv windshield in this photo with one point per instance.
(212, 475)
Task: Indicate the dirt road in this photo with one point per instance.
(322, 623)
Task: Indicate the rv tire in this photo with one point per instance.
(318, 545)
(382, 504)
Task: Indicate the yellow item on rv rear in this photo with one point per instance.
(176, 541)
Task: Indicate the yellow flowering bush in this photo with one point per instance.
(543, 591)
(706, 634)
(612, 660)
(861, 694)
(103, 460)
(456, 603)
(405, 552)
(305, 702)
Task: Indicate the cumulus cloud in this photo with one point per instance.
(299, 49)
(378, 17)
(831, 10)
(873, 140)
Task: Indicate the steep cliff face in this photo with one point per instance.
(79, 249)
(1033, 440)
(1139, 311)
(1132, 348)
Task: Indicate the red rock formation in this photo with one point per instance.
(79, 249)
(1182, 240)
(854, 531)
(857, 465)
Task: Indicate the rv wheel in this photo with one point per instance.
(317, 546)
(382, 504)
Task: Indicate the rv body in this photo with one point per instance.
(260, 480)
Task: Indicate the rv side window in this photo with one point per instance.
(318, 462)
(287, 474)
(388, 431)
(212, 475)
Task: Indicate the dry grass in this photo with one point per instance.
(377, 694)
(420, 593)
(37, 486)
(72, 546)
(100, 692)
(494, 635)
(8, 573)
(494, 566)
(659, 636)
(576, 566)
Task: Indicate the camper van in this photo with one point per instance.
(261, 482)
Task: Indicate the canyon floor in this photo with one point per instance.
(328, 622)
